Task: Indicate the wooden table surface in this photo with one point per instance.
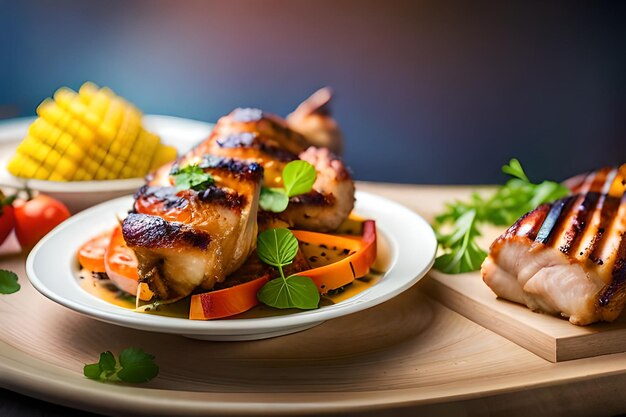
(407, 355)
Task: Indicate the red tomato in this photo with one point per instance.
(35, 218)
(7, 221)
(120, 263)
(91, 254)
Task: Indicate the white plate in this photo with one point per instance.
(78, 195)
(52, 268)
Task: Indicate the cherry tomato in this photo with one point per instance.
(7, 221)
(36, 217)
(91, 254)
(121, 263)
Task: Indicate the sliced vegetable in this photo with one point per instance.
(343, 272)
(121, 263)
(226, 302)
(91, 254)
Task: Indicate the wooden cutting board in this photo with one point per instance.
(553, 338)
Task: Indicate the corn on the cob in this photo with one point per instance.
(89, 135)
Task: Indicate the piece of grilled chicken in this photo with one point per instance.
(255, 136)
(188, 239)
(568, 257)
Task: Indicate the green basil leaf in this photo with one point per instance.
(277, 247)
(293, 292)
(273, 199)
(107, 361)
(92, 371)
(8, 282)
(298, 177)
(137, 366)
(192, 177)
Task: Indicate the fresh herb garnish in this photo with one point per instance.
(134, 366)
(510, 201)
(8, 282)
(192, 177)
(298, 178)
(278, 247)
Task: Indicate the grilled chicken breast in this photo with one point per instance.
(255, 136)
(188, 239)
(568, 257)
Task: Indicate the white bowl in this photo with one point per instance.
(52, 269)
(78, 195)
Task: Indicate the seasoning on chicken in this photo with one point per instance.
(187, 239)
(568, 257)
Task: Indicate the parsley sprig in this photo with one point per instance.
(518, 196)
(278, 247)
(192, 177)
(8, 282)
(134, 366)
(298, 178)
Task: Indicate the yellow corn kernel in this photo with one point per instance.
(66, 168)
(126, 172)
(49, 110)
(91, 167)
(81, 175)
(29, 167)
(108, 161)
(75, 152)
(117, 167)
(52, 160)
(87, 91)
(42, 173)
(55, 176)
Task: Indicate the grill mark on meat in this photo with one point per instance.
(142, 230)
(618, 276)
(313, 198)
(553, 220)
(579, 222)
(609, 209)
(250, 140)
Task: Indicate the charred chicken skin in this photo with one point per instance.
(188, 239)
(568, 257)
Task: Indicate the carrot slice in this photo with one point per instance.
(345, 271)
(226, 302)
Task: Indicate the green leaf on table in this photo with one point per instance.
(137, 366)
(298, 177)
(8, 282)
(192, 177)
(505, 206)
(277, 247)
(134, 366)
(273, 199)
(293, 292)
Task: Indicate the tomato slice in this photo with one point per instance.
(91, 254)
(227, 302)
(121, 263)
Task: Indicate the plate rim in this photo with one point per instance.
(229, 327)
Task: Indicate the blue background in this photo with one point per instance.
(426, 92)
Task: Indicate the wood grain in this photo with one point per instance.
(408, 355)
